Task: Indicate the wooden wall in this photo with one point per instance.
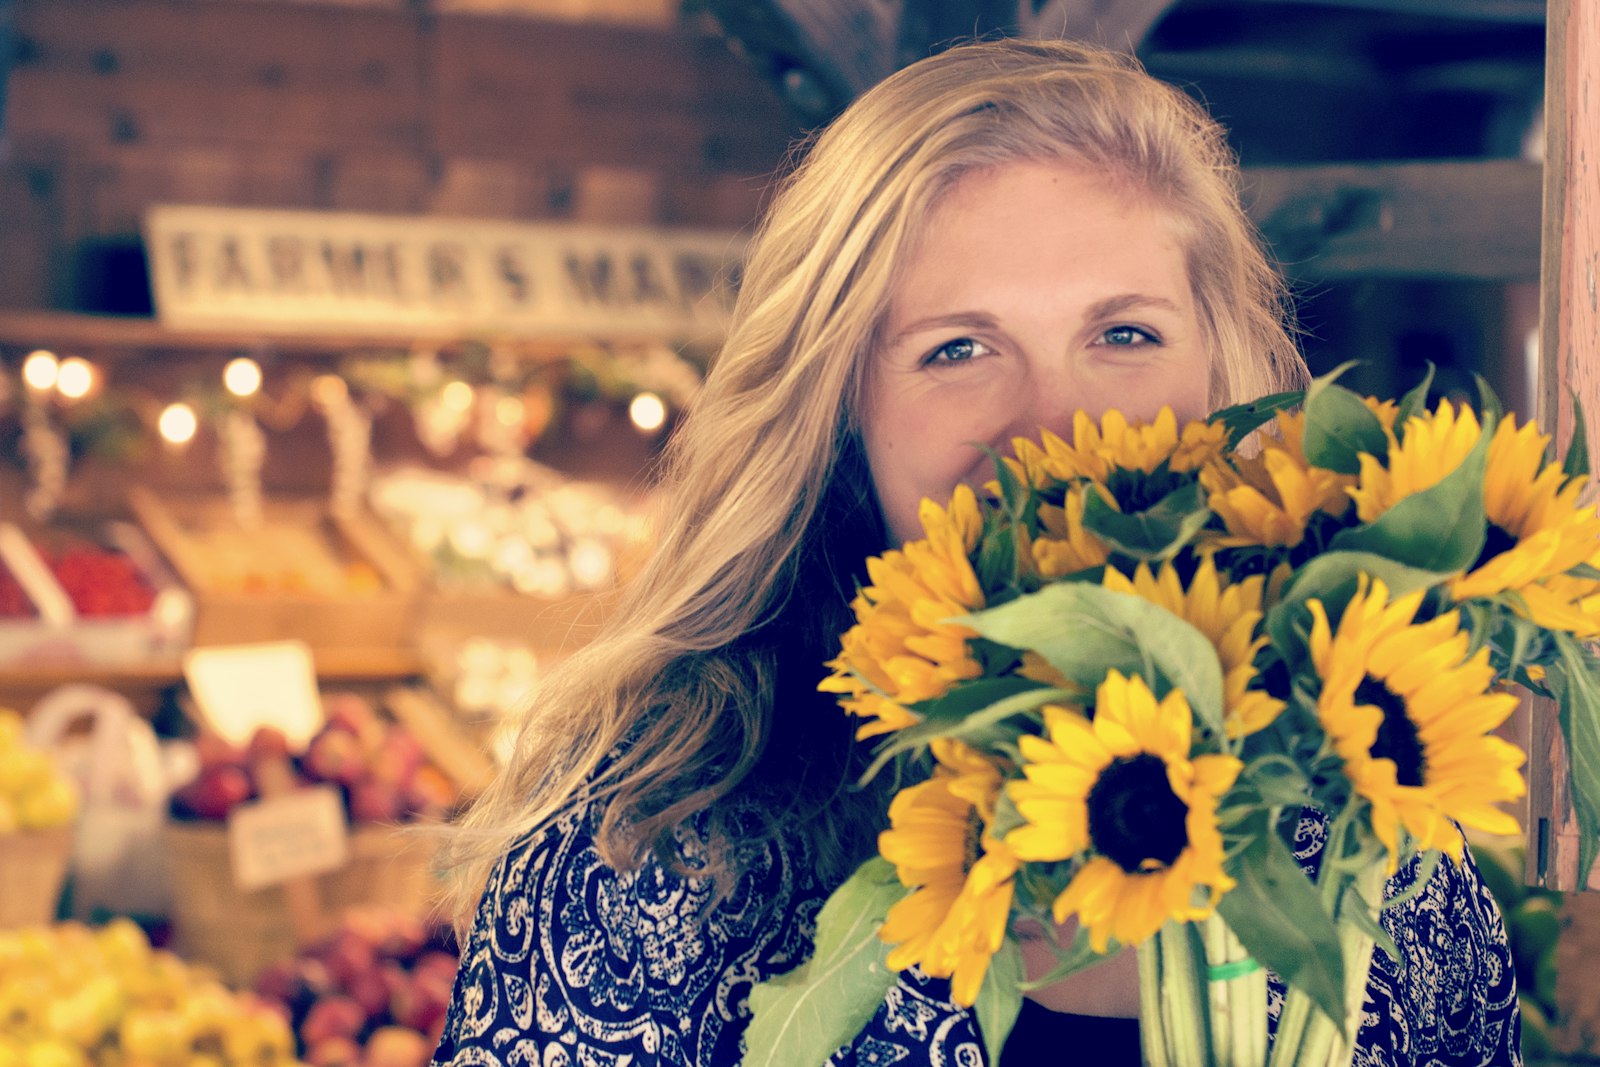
(117, 104)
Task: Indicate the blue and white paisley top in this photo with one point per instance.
(573, 964)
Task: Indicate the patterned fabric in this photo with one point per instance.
(573, 964)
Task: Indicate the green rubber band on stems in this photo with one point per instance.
(1227, 972)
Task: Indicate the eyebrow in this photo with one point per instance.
(1111, 305)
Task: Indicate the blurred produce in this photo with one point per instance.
(379, 767)
(513, 525)
(76, 996)
(34, 793)
(373, 994)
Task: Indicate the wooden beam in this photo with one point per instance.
(1474, 220)
(1569, 363)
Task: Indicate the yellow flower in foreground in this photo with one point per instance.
(1122, 792)
(1063, 546)
(1267, 498)
(1227, 616)
(1410, 715)
(901, 650)
(1537, 531)
(955, 919)
(1117, 444)
(1435, 445)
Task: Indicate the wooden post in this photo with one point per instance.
(1569, 363)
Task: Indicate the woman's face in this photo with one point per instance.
(1038, 289)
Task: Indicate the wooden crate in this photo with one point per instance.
(212, 553)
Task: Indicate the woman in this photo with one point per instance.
(988, 240)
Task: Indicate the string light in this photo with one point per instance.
(509, 410)
(41, 369)
(328, 390)
(242, 376)
(75, 378)
(177, 424)
(456, 396)
(648, 412)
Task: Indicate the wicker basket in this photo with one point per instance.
(35, 865)
(239, 932)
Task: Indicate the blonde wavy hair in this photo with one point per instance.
(707, 666)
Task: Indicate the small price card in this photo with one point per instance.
(294, 835)
(240, 687)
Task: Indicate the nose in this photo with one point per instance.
(1053, 397)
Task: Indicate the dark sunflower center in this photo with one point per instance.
(1497, 540)
(1137, 491)
(972, 845)
(1397, 737)
(1135, 816)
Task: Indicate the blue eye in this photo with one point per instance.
(960, 350)
(1128, 337)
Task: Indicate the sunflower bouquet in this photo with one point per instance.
(1111, 687)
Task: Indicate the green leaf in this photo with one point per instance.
(1155, 533)
(1332, 578)
(1340, 426)
(1579, 695)
(1585, 570)
(1416, 399)
(1017, 696)
(1277, 915)
(1489, 405)
(803, 1017)
(1084, 631)
(1441, 528)
(1576, 465)
(1000, 999)
(1241, 420)
(1280, 782)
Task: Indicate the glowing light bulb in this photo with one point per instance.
(75, 378)
(648, 412)
(510, 411)
(242, 376)
(41, 369)
(456, 396)
(328, 390)
(177, 424)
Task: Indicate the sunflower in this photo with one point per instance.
(1537, 531)
(901, 651)
(1122, 793)
(1410, 714)
(1063, 546)
(1116, 444)
(1227, 615)
(961, 876)
(1268, 498)
(1435, 444)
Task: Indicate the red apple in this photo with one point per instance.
(403, 939)
(212, 795)
(335, 1016)
(369, 990)
(397, 1046)
(438, 963)
(420, 1003)
(397, 757)
(349, 957)
(335, 755)
(212, 750)
(334, 1052)
(375, 802)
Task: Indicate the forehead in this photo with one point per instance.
(1032, 223)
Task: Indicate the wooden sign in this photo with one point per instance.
(300, 272)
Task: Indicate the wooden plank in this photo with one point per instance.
(551, 92)
(162, 71)
(1475, 220)
(1569, 364)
